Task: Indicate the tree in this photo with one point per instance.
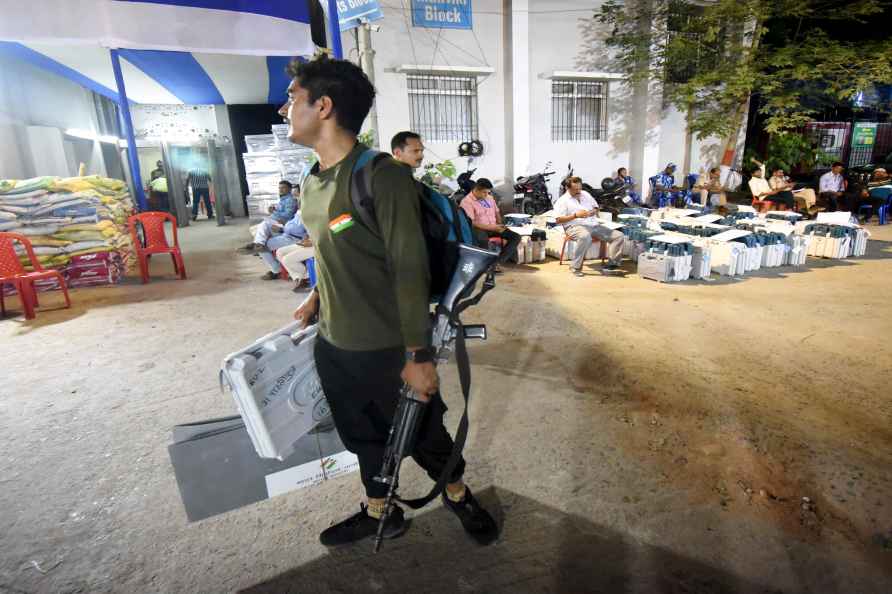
(710, 59)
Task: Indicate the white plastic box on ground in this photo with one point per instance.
(658, 267)
(555, 240)
(728, 258)
(701, 261)
(529, 251)
(277, 390)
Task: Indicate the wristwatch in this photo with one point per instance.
(425, 355)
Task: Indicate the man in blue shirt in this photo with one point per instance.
(665, 188)
(274, 223)
(292, 248)
(624, 179)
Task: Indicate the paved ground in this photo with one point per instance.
(630, 437)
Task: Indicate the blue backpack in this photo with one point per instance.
(443, 224)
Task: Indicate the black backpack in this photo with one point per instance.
(443, 224)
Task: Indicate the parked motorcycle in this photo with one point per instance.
(531, 195)
(465, 183)
(609, 197)
(565, 182)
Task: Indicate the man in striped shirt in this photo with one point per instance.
(200, 182)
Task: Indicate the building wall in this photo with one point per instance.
(524, 41)
(36, 107)
(398, 43)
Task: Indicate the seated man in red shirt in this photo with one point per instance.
(486, 219)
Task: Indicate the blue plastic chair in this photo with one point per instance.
(883, 210)
(663, 197)
(311, 271)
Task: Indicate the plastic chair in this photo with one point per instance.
(602, 251)
(883, 210)
(13, 272)
(311, 271)
(762, 205)
(155, 241)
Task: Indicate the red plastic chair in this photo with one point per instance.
(13, 272)
(154, 241)
(762, 205)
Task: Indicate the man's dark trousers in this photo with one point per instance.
(202, 194)
(362, 389)
(509, 248)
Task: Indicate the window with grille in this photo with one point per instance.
(578, 111)
(443, 108)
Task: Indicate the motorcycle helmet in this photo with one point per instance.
(608, 184)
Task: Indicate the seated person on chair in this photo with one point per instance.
(879, 179)
(665, 186)
(486, 220)
(577, 211)
(832, 186)
(623, 178)
(856, 196)
(709, 188)
(759, 186)
(292, 248)
(275, 222)
(783, 189)
(805, 198)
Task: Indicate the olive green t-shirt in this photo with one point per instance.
(373, 289)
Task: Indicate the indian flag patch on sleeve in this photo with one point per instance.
(340, 223)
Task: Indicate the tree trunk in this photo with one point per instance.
(748, 55)
(688, 141)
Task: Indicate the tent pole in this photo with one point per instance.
(124, 104)
(334, 26)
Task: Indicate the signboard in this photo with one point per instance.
(442, 14)
(864, 135)
(352, 13)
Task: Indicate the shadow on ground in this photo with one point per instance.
(541, 549)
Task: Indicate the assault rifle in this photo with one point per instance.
(448, 336)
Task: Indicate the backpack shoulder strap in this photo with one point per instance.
(361, 191)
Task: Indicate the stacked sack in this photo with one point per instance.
(76, 225)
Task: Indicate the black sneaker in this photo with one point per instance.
(476, 521)
(361, 525)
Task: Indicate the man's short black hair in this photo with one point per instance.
(287, 183)
(483, 184)
(343, 82)
(836, 164)
(401, 139)
(715, 169)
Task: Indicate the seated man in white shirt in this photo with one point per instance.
(577, 211)
(832, 186)
(759, 186)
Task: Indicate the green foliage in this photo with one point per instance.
(367, 138)
(433, 171)
(711, 58)
(789, 150)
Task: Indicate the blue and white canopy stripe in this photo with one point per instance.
(177, 51)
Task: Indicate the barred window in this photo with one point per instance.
(578, 111)
(443, 108)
